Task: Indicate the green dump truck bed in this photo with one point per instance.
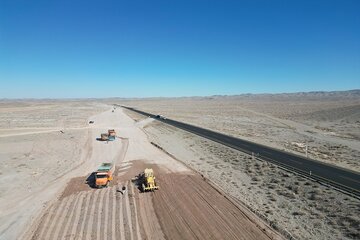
(105, 167)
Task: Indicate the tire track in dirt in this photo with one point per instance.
(198, 198)
(188, 207)
(84, 216)
(204, 194)
(68, 217)
(138, 235)
(52, 224)
(90, 225)
(98, 232)
(128, 213)
(68, 226)
(120, 206)
(150, 223)
(77, 216)
(132, 211)
(60, 223)
(88, 214)
(113, 214)
(175, 222)
(105, 223)
(43, 224)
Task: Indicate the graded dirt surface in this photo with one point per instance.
(63, 205)
(188, 207)
(185, 207)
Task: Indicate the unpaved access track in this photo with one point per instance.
(185, 207)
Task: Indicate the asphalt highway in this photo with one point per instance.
(341, 178)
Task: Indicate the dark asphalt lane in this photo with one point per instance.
(339, 177)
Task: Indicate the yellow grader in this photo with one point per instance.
(147, 180)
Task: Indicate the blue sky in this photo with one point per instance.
(64, 49)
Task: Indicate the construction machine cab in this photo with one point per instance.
(148, 180)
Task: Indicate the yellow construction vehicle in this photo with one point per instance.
(148, 182)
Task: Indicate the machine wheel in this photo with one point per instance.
(143, 187)
(107, 184)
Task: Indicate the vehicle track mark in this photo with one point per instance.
(138, 235)
(61, 220)
(67, 229)
(98, 232)
(77, 216)
(90, 225)
(128, 211)
(52, 224)
(67, 217)
(44, 229)
(113, 214)
(106, 214)
(121, 215)
(84, 217)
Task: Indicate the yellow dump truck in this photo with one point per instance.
(148, 182)
(110, 136)
(104, 175)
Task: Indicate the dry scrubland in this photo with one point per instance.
(328, 122)
(34, 153)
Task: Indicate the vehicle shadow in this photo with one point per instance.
(90, 180)
(138, 181)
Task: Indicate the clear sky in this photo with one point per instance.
(134, 48)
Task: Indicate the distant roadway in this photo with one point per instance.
(341, 178)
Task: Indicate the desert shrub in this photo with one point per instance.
(285, 174)
(313, 196)
(298, 213)
(274, 180)
(271, 198)
(255, 179)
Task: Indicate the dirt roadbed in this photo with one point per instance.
(185, 207)
(190, 208)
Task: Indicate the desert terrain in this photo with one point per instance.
(297, 207)
(328, 123)
(48, 152)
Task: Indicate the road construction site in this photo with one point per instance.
(186, 205)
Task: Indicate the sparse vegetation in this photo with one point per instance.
(297, 204)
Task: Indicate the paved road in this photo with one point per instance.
(339, 177)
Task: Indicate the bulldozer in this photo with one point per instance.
(147, 180)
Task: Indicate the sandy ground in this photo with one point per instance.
(295, 206)
(49, 197)
(36, 158)
(328, 123)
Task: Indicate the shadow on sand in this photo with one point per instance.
(91, 180)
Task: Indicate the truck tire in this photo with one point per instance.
(107, 184)
(143, 187)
